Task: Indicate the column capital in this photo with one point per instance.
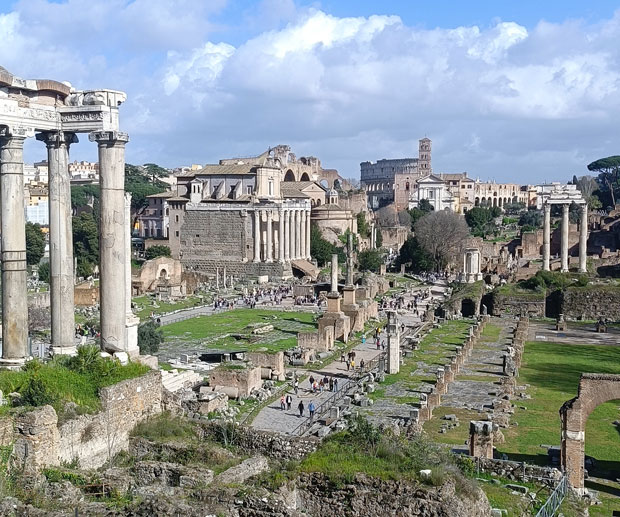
(108, 137)
(57, 138)
(565, 208)
(15, 132)
(547, 207)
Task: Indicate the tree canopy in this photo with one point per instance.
(150, 336)
(321, 249)
(158, 250)
(369, 260)
(608, 170)
(85, 243)
(442, 234)
(35, 243)
(481, 221)
(416, 257)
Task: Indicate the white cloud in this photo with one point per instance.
(498, 101)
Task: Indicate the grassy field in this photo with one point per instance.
(233, 329)
(143, 307)
(552, 370)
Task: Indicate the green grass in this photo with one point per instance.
(553, 371)
(164, 428)
(490, 333)
(230, 328)
(63, 384)
(144, 308)
(455, 436)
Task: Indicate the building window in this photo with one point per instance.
(176, 234)
(271, 187)
(176, 218)
(249, 190)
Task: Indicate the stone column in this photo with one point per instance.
(565, 237)
(583, 239)
(269, 257)
(14, 289)
(112, 231)
(287, 235)
(131, 320)
(256, 235)
(302, 235)
(308, 232)
(334, 288)
(281, 237)
(547, 237)
(297, 233)
(60, 241)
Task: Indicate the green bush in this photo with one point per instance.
(164, 427)
(158, 250)
(36, 393)
(150, 336)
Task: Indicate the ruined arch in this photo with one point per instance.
(325, 184)
(468, 308)
(304, 177)
(594, 390)
(289, 176)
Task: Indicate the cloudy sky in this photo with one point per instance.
(519, 91)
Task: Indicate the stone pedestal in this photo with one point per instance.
(481, 439)
(13, 238)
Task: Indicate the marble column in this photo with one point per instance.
(281, 236)
(297, 234)
(269, 257)
(308, 232)
(112, 235)
(60, 241)
(13, 238)
(287, 235)
(565, 208)
(302, 235)
(546, 236)
(583, 239)
(334, 287)
(257, 236)
(131, 320)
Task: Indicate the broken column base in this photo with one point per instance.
(13, 364)
(63, 350)
(131, 336)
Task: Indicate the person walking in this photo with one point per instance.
(331, 384)
(311, 379)
(289, 401)
(282, 404)
(335, 384)
(348, 365)
(296, 386)
(342, 357)
(362, 364)
(301, 408)
(311, 409)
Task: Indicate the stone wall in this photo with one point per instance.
(274, 361)
(517, 471)
(7, 431)
(591, 302)
(527, 305)
(273, 445)
(90, 439)
(246, 379)
(39, 300)
(86, 295)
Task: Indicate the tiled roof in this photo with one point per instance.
(165, 195)
(220, 169)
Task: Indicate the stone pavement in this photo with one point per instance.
(272, 418)
(575, 334)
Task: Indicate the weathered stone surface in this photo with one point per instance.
(245, 470)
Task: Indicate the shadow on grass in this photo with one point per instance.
(602, 487)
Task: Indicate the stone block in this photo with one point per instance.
(245, 470)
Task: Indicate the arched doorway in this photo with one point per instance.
(594, 390)
(289, 176)
(468, 308)
(305, 177)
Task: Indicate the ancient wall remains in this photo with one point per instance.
(89, 439)
(532, 306)
(273, 361)
(245, 380)
(591, 302)
(86, 295)
(39, 300)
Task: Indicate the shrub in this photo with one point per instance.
(150, 336)
(37, 393)
(158, 250)
(164, 427)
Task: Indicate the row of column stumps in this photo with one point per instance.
(293, 235)
(114, 237)
(446, 375)
(583, 237)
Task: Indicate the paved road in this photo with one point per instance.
(272, 418)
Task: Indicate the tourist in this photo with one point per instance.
(342, 357)
(383, 344)
(311, 408)
(296, 386)
(289, 401)
(282, 404)
(353, 364)
(311, 381)
(331, 384)
(321, 385)
(315, 387)
(363, 340)
(378, 343)
(335, 385)
(325, 381)
(362, 364)
(301, 408)
(348, 365)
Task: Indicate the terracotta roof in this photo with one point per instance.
(165, 195)
(292, 192)
(219, 169)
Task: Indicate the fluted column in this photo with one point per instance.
(281, 236)
(565, 237)
(583, 239)
(14, 289)
(297, 234)
(287, 235)
(308, 232)
(60, 241)
(546, 236)
(269, 257)
(112, 231)
(257, 234)
(302, 235)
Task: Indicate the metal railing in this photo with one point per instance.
(343, 390)
(555, 499)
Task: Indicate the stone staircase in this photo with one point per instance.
(176, 380)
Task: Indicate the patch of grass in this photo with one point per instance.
(457, 435)
(553, 370)
(165, 427)
(490, 333)
(233, 328)
(65, 379)
(143, 307)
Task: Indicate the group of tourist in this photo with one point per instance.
(84, 331)
(319, 385)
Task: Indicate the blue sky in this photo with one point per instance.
(514, 91)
